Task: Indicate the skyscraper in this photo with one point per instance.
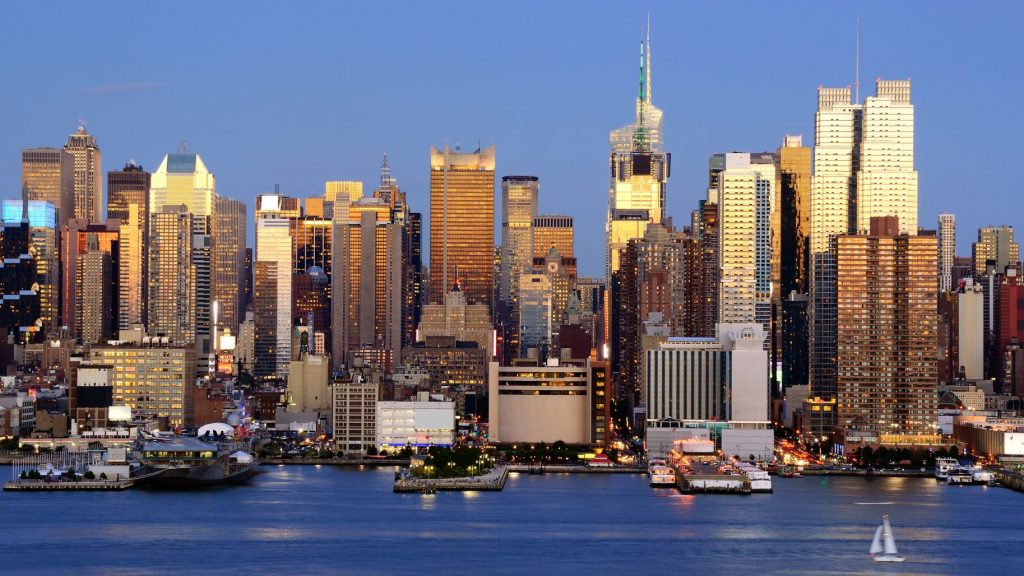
(128, 201)
(995, 243)
(42, 222)
(182, 179)
(518, 210)
(48, 174)
(77, 238)
(367, 288)
(887, 180)
(534, 314)
(172, 276)
(229, 234)
(947, 251)
(462, 223)
(88, 187)
(746, 205)
(553, 231)
(19, 315)
(791, 252)
(639, 171)
(272, 297)
(886, 366)
(95, 293)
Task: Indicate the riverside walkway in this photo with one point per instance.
(493, 481)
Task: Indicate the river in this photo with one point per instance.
(323, 519)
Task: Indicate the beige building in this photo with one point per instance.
(95, 295)
(457, 318)
(530, 402)
(151, 376)
(518, 211)
(309, 384)
(553, 231)
(995, 243)
(88, 187)
(49, 174)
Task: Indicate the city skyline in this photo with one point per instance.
(580, 85)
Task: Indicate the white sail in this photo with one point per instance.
(876, 544)
(890, 542)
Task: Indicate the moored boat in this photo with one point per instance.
(185, 462)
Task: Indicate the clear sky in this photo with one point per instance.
(295, 93)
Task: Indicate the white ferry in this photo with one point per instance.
(943, 466)
(661, 474)
(760, 480)
(959, 476)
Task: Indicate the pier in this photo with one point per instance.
(698, 477)
(43, 485)
(493, 481)
(561, 469)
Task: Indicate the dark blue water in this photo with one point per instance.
(317, 520)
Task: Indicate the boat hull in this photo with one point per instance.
(195, 477)
(888, 559)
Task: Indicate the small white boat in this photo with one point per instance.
(885, 543)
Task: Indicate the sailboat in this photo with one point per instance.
(884, 542)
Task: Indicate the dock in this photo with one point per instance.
(42, 485)
(702, 478)
(562, 469)
(494, 481)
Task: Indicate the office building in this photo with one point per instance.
(420, 424)
(793, 194)
(88, 186)
(947, 251)
(886, 333)
(272, 296)
(458, 318)
(699, 378)
(95, 293)
(345, 192)
(42, 222)
(462, 223)
(639, 172)
(970, 324)
(152, 376)
(534, 314)
(452, 363)
(518, 211)
(550, 401)
(128, 202)
(20, 316)
(553, 231)
(48, 174)
(996, 244)
(309, 384)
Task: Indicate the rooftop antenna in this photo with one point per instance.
(277, 189)
(183, 147)
(856, 81)
(640, 135)
(647, 88)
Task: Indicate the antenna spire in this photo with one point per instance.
(856, 82)
(647, 87)
(640, 134)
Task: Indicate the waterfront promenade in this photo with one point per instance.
(493, 481)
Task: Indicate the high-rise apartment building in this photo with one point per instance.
(95, 294)
(77, 238)
(228, 283)
(272, 298)
(128, 202)
(553, 231)
(886, 365)
(88, 187)
(171, 292)
(42, 222)
(518, 210)
(746, 202)
(462, 223)
(791, 253)
(995, 243)
(48, 174)
(947, 251)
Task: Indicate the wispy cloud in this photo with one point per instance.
(122, 87)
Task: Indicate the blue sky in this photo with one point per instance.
(301, 92)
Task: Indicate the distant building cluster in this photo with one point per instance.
(800, 291)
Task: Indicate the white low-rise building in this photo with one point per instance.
(420, 423)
